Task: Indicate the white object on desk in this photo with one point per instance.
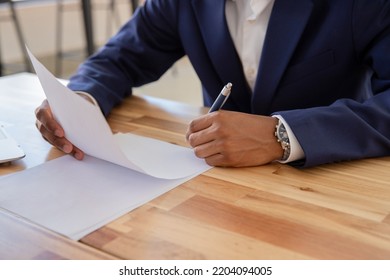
(74, 197)
(86, 127)
(9, 148)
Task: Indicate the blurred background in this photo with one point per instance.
(57, 33)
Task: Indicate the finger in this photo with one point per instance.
(216, 160)
(207, 150)
(199, 124)
(67, 147)
(45, 117)
(202, 137)
(53, 133)
(77, 153)
(204, 130)
(60, 142)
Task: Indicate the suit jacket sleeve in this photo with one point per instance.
(144, 48)
(352, 129)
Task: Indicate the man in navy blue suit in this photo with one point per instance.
(311, 78)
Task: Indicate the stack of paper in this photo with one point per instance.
(120, 173)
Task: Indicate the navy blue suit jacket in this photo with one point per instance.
(325, 67)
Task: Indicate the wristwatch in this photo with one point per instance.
(282, 138)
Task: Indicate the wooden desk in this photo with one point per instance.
(336, 211)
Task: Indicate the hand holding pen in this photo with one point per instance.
(230, 138)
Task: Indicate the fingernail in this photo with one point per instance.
(78, 155)
(57, 133)
(67, 148)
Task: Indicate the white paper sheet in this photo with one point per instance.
(74, 197)
(86, 127)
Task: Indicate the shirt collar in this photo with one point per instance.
(255, 6)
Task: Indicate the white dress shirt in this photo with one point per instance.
(248, 21)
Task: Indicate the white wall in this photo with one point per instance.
(38, 22)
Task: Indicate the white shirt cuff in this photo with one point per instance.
(296, 151)
(90, 97)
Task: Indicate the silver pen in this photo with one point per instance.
(221, 99)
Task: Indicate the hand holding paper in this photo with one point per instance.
(74, 197)
(86, 127)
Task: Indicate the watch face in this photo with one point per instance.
(282, 133)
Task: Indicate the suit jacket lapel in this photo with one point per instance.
(287, 22)
(212, 22)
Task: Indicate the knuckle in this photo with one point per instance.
(192, 127)
(38, 113)
(40, 109)
(229, 159)
(223, 146)
(198, 152)
(191, 139)
(40, 127)
(218, 117)
(191, 124)
(58, 142)
(210, 162)
(218, 129)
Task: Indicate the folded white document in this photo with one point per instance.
(86, 127)
(118, 174)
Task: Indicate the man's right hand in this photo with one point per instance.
(53, 133)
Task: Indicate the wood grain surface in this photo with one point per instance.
(334, 211)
